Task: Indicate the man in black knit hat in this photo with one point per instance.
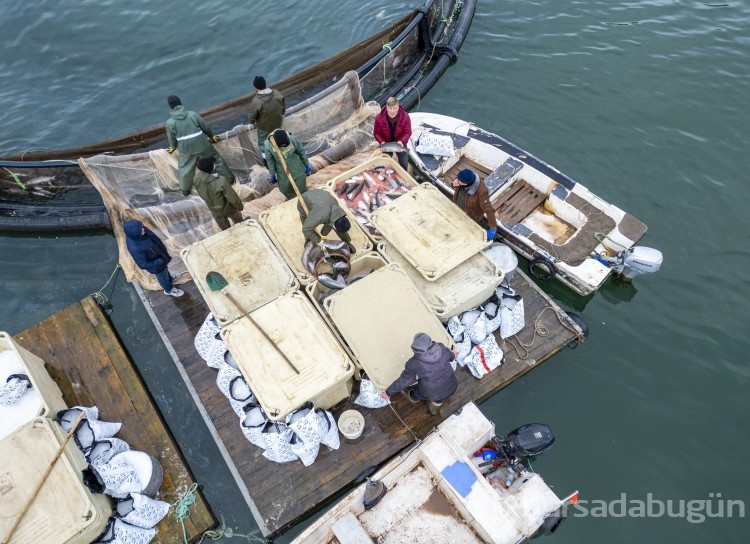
(266, 110)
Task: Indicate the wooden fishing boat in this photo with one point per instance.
(459, 484)
(47, 191)
(566, 231)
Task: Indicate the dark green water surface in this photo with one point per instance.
(644, 102)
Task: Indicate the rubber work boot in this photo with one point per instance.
(175, 292)
(407, 394)
(433, 407)
(351, 247)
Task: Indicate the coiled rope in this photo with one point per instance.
(100, 298)
(539, 330)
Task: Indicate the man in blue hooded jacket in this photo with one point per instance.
(428, 374)
(150, 254)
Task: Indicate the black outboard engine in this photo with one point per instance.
(526, 441)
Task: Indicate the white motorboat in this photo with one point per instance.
(566, 231)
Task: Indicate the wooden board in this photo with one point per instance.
(517, 202)
(83, 355)
(279, 495)
(451, 175)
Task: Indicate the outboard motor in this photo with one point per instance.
(635, 261)
(526, 441)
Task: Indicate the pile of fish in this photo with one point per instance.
(329, 262)
(369, 190)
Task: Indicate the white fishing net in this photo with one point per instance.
(335, 126)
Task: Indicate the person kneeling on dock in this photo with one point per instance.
(471, 195)
(150, 254)
(430, 370)
(217, 193)
(323, 209)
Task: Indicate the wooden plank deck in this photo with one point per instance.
(279, 495)
(521, 200)
(84, 357)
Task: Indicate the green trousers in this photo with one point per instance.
(223, 220)
(187, 164)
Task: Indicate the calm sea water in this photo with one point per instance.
(644, 102)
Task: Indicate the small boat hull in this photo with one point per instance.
(564, 229)
(437, 492)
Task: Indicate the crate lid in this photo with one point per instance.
(378, 317)
(303, 337)
(474, 276)
(63, 508)
(283, 226)
(431, 232)
(42, 399)
(253, 267)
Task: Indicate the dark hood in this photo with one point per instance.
(132, 229)
(432, 355)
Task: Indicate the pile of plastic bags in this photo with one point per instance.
(299, 436)
(131, 477)
(473, 330)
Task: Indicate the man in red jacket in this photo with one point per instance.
(393, 125)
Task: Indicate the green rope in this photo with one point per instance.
(99, 296)
(182, 510)
(16, 179)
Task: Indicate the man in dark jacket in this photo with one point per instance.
(215, 190)
(471, 195)
(150, 254)
(430, 370)
(296, 161)
(266, 110)
(393, 124)
(192, 137)
(324, 210)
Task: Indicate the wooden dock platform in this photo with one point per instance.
(83, 355)
(279, 495)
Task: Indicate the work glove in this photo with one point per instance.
(170, 150)
(215, 139)
(491, 235)
(322, 242)
(272, 179)
(185, 193)
(308, 170)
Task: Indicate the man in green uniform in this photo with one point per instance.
(266, 110)
(323, 209)
(217, 193)
(296, 161)
(192, 137)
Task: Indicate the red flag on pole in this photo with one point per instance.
(572, 498)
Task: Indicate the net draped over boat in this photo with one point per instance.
(335, 126)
